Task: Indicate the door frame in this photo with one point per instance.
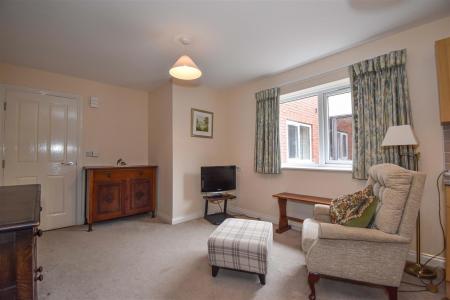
(79, 197)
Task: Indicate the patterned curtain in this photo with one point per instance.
(380, 99)
(267, 140)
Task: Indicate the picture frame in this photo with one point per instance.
(202, 123)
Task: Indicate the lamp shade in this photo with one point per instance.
(185, 69)
(402, 135)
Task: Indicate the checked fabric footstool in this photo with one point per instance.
(241, 245)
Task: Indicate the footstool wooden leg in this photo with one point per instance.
(214, 271)
(262, 278)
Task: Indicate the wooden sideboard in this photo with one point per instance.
(19, 219)
(442, 49)
(114, 192)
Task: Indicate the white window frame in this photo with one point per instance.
(325, 121)
(343, 138)
(322, 92)
(298, 125)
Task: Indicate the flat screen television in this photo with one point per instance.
(218, 178)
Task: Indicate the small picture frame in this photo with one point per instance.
(202, 123)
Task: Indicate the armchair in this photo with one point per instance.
(373, 256)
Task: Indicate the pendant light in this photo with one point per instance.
(185, 68)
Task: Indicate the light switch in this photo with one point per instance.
(92, 154)
(93, 102)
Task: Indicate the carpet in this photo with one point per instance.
(142, 258)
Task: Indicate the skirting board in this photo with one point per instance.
(177, 220)
(437, 262)
(165, 218)
(186, 218)
(274, 220)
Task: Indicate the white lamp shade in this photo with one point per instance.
(402, 135)
(185, 69)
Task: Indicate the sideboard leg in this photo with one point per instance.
(89, 227)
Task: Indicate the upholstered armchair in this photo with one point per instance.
(367, 255)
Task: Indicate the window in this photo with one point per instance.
(316, 127)
(342, 142)
(298, 141)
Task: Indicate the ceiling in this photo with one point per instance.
(132, 43)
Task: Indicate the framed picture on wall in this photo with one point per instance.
(201, 123)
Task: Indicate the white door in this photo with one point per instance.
(41, 146)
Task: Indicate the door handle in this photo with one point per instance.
(70, 163)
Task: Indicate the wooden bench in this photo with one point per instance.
(282, 202)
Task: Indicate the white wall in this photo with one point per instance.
(160, 145)
(118, 128)
(190, 153)
(255, 190)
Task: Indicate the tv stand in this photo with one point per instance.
(217, 218)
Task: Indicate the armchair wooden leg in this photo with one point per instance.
(392, 292)
(313, 278)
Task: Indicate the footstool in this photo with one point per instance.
(241, 245)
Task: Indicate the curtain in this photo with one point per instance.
(380, 99)
(267, 139)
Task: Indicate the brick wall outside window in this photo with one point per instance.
(302, 111)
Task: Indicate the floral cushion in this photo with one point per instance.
(356, 210)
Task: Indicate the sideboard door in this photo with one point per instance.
(8, 287)
(141, 195)
(109, 199)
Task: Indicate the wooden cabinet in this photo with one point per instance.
(113, 192)
(442, 48)
(19, 218)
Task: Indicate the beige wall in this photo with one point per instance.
(190, 153)
(254, 190)
(160, 145)
(118, 128)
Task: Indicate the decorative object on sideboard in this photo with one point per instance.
(120, 162)
(403, 135)
(202, 123)
(185, 68)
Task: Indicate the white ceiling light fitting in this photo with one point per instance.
(185, 68)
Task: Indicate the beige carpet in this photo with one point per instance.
(140, 258)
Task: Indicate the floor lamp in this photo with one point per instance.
(403, 135)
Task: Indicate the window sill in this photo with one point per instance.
(337, 168)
